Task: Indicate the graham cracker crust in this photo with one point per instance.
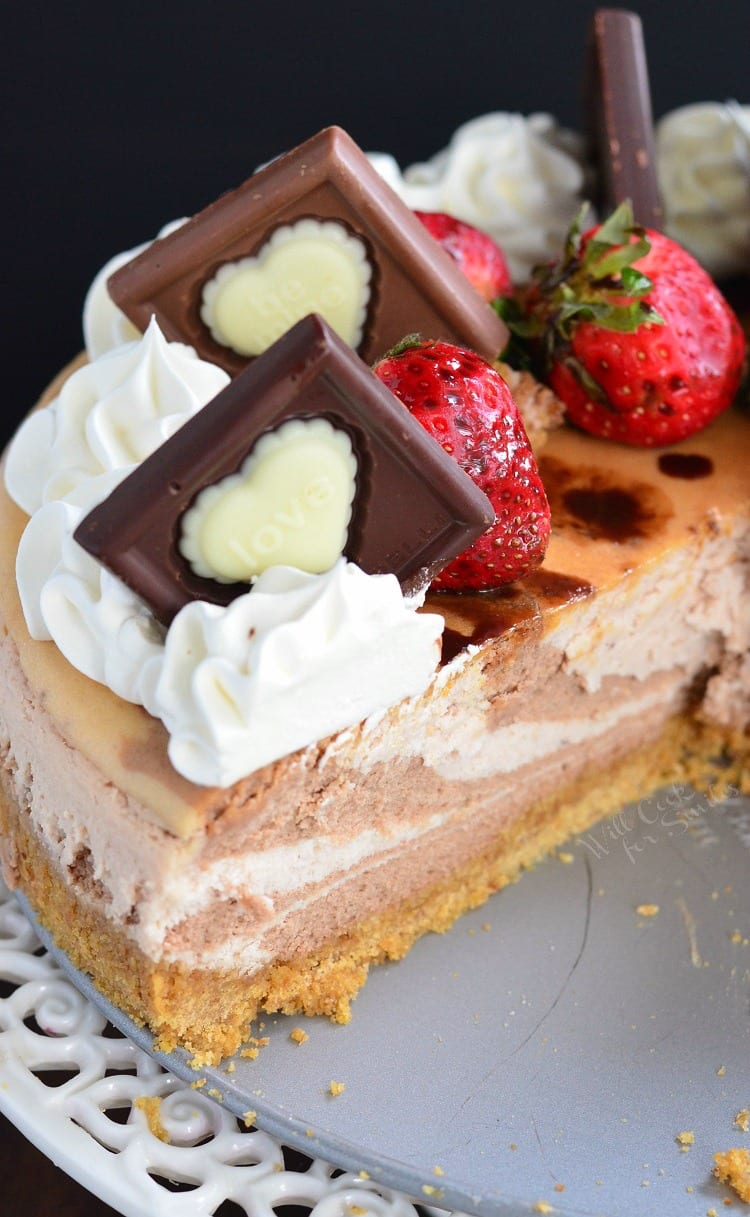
(209, 1012)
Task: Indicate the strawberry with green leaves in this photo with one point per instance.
(479, 257)
(467, 407)
(633, 334)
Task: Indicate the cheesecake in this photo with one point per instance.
(222, 802)
(619, 666)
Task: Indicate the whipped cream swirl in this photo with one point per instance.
(521, 179)
(110, 414)
(105, 326)
(102, 628)
(294, 660)
(703, 156)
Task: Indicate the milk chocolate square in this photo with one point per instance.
(620, 125)
(305, 454)
(316, 231)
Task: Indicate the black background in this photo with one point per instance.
(121, 116)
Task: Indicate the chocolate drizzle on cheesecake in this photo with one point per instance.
(601, 505)
(476, 619)
(686, 465)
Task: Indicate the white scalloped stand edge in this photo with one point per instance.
(47, 1026)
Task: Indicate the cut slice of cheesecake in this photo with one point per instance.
(620, 666)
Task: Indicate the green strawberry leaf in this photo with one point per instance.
(586, 380)
(407, 343)
(635, 282)
(616, 229)
(522, 324)
(575, 232)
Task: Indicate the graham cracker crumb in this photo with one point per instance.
(429, 1190)
(150, 1105)
(248, 1118)
(198, 1084)
(711, 1213)
(566, 858)
(438, 1170)
(541, 1206)
(356, 1210)
(309, 1132)
(513, 1145)
(231, 1067)
(299, 1036)
(647, 910)
(559, 1187)
(742, 1119)
(720, 1072)
(214, 1093)
(336, 1088)
(685, 1140)
(363, 1175)
(689, 1187)
(733, 1167)
(250, 1054)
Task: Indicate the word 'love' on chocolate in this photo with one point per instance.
(316, 231)
(618, 112)
(304, 457)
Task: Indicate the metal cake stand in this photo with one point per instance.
(548, 1051)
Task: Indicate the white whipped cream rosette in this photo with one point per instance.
(100, 626)
(703, 156)
(521, 179)
(110, 414)
(294, 660)
(105, 326)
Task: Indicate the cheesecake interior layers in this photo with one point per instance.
(396, 826)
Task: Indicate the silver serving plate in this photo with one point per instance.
(555, 1039)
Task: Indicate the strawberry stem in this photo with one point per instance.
(594, 280)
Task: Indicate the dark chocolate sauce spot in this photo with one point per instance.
(554, 589)
(601, 505)
(474, 618)
(688, 465)
(613, 514)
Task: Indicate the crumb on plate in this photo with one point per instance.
(733, 1167)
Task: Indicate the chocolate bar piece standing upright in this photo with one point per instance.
(617, 98)
(316, 231)
(305, 456)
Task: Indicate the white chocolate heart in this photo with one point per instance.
(312, 266)
(289, 505)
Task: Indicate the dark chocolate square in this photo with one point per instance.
(414, 509)
(618, 116)
(415, 287)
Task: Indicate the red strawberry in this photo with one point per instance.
(468, 408)
(640, 344)
(479, 257)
